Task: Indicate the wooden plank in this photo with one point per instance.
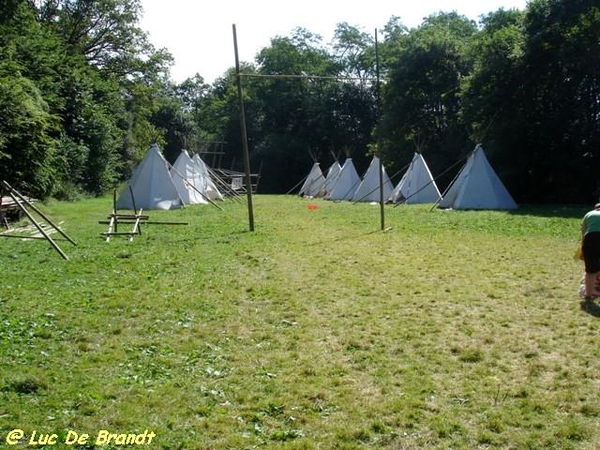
(136, 227)
(155, 222)
(20, 236)
(110, 228)
(128, 216)
(149, 222)
(28, 214)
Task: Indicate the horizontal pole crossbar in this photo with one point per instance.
(315, 77)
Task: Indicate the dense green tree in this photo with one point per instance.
(193, 130)
(562, 100)
(27, 133)
(139, 98)
(191, 92)
(83, 94)
(37, 52)
(288, 116)
(316, 114)
(421, 100)
(30, 126)
(492, 95)
(105, 33)
(87, 65)
(354, 52)
(92, 131)
(217, 120)
(175, 125)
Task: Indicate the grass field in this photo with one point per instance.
(450, 330)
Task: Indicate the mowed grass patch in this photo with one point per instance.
(451, 329)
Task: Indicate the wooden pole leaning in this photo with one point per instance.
(39, 227)
(132, 201)
(202, 194)
(136, 226)
(21, 201)
(238, 80)
(226, 188)
(42, 215)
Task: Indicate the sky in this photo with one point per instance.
(199, 33)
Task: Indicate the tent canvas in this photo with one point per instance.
(151, 184)
(417, 184)
(207, 185)
(187, 179)
(368, 189)
(332, 173)
(477, 186)
(346, 183)
(314, 185)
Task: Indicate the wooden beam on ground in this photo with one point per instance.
(156, 222)
(145, 222)
(32, 206)
(38, 226)
(21, 236)
(136, 219)
(128, 216)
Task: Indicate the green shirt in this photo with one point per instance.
(591, 222)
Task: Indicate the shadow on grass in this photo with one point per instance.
(564, 211)
(349, 237)
(590, 307)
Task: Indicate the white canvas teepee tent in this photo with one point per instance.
(187, 180)
(477, 186)
(332, 173)
(207, 185)
(151, 184)
(417, 184)
(314, 185)
(347, 182)
(368, 189)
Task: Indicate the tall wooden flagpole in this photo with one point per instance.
(378, 106)
(238, 80)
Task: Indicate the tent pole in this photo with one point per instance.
(244, 131)
(223, 185)
(204, 196)
(296, 185)
(132, 198)
(447, 187)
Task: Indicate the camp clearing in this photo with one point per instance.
(352, 176)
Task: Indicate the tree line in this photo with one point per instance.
(83, 94)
